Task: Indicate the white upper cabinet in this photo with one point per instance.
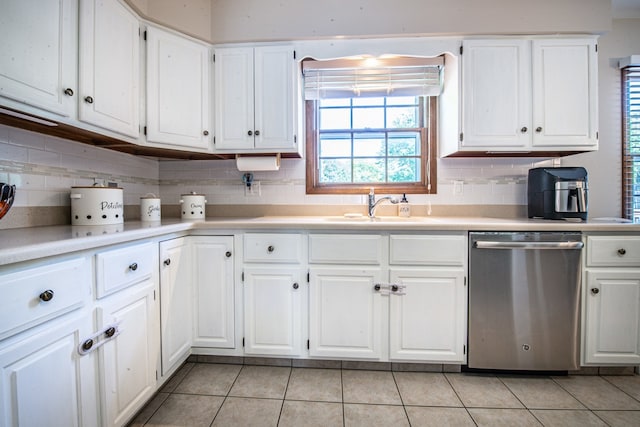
(255, 99)
(178, 106)
(496, 94)
(38, 53)
(565, 86)
(521, 95)
(109, 88)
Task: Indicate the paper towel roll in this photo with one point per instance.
(258, 163)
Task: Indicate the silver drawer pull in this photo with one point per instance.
(134, 266)
(622, 252)
(270, 249)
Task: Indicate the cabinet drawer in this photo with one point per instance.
(621, 251)
(345, 249)
(427, 250)
(32, 296)
(118, 268)
(277, 248)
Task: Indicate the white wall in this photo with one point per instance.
(223, 21)
(254, 20)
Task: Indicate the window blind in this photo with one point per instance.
(349, 78)
(631, 143)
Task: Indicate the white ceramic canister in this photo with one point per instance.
(150, 208)
(192, 206)
(96, 205)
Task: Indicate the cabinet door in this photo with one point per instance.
(428, 322)
(178, 75)
(272, 310)
(38, 53)
(274, 97)
(43, 379)
(213, 291)
(175, 303)
(565, 78)
(129, 360)
(234, 99)
(109, 90)
(612, 310)
(345, 312)
(496, 94)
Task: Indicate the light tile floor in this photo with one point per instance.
(207, 394)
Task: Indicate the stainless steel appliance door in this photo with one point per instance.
(524, 301)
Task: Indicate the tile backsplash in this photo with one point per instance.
(44, 168)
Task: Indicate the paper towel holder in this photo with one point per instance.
(258, 163)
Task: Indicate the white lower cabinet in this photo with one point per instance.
(400, 298)
(128, 360)
(613, 316)
(175, 303)
(611, 300)
(213, 298)
(274, 295)
(272, 310)
(44, 380)
(345, 312)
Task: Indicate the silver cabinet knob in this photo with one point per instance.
(595, 291)
(167, 261)
(376, 287)
(133, 266)
(524, 129)
(227, 254)
(46, 295)
(270, 249)
(622, 252)
(257, 133)
(87, 345)
(88, 99)
(110, 332)
(205, 133)
(296, 286)
(68, 91)
(250, 133)
(538, 129)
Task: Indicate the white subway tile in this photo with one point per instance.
(25, 138)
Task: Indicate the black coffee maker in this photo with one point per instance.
(557, 193)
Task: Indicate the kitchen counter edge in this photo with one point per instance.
(24, 244)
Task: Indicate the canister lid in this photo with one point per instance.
(97, 188)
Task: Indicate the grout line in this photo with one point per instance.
(512, 393)
(404, 407)
(616, 386)
(459, 398)
(284, 395)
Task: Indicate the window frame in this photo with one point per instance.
(628, 158)
(428, 154)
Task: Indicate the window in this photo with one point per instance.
(371, 126)
(631, 143)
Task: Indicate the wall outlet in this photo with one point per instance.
(253, 190)
(458, 187)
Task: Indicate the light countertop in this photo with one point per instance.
(23, 244)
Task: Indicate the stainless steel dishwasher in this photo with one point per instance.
(524, 301)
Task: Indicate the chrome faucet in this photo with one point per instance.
(373, 204)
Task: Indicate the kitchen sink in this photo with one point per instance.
(381, 219)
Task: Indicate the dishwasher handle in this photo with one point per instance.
(483, 244)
